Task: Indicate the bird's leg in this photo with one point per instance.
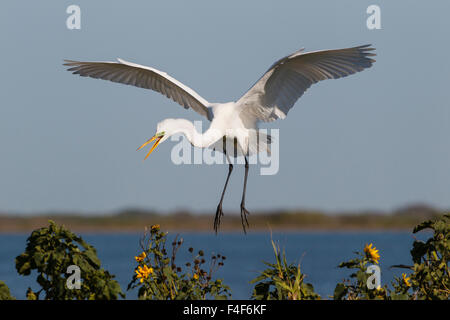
(219, 212)
(244, 212)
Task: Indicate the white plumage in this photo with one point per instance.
(269, 99)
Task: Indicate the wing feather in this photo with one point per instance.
(276, 92)
(143, 77)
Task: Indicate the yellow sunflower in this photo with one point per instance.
(371, 253)
(143, 272)
(141, 257)
(406, 280)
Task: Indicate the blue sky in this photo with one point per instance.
(376, 140)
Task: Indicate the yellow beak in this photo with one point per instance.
(156, 137)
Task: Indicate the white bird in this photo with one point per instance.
(232, 123)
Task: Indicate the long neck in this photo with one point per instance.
(200, 140)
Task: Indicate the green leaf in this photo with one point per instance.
(423, 225)
(340, 291)
(400, 296)
(418, 251)
(5, 294)
(50, 251)
(91, 254)
(25, 269)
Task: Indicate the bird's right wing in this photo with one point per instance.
(143, 77)
(276, 92)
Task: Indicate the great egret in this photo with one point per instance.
(269, 99)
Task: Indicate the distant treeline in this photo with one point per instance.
(131, 220)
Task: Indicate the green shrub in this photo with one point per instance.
(430, 277)
(50, 251)
(282, 281)
(4, 292)
(356, 287)
(158, 277)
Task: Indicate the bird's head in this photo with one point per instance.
(164, 130)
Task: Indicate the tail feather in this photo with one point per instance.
(262, 143)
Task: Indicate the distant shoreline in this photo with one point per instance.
(133, 220)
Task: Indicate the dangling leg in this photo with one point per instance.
(244, 212)
(219, 212)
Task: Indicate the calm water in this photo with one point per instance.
(319, 253)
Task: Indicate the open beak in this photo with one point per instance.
(156, 137)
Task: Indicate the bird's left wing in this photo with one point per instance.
(143, 77)
(274, 94)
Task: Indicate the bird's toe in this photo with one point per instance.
(219, 214)
(244, 221)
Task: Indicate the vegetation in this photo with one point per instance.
(50, 251)
(356, 288)
(158, 277)
(282, 281)
(133, 220)
(4, 292)
(429, 277)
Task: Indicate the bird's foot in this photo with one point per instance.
(219, 214)
(244, 213)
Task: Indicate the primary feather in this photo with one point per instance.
(143, 77)
(276, 92)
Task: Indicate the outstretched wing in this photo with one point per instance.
(275, 93)
(142, 77)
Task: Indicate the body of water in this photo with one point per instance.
(319, 253)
